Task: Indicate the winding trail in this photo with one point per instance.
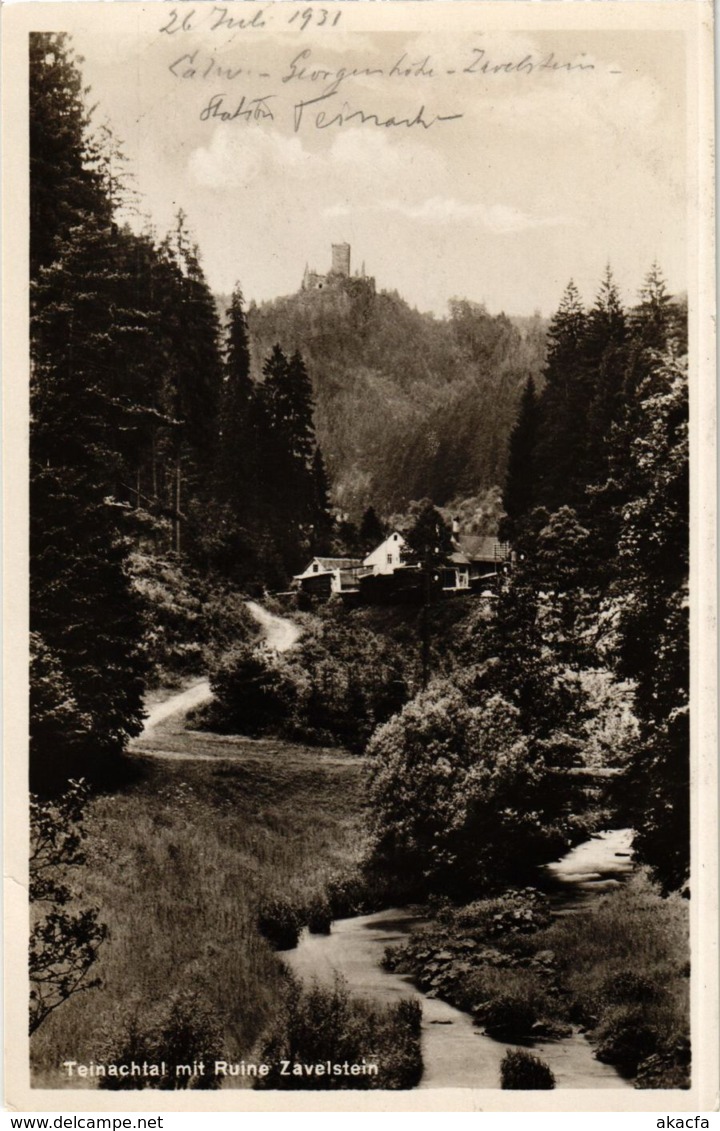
(279, 633)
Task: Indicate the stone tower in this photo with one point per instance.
(340, 259)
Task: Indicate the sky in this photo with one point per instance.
(568, 151)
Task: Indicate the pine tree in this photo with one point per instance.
(372, 530)
(236, 469)
(65, 190)
(605, 349)
(288, 456)
(82, 604)
(563, 406)
(428, 545)
(650, 598)
(519, 494)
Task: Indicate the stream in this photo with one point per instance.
(457, 1054)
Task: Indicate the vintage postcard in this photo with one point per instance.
(359, 597)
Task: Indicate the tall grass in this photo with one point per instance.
(178, 867)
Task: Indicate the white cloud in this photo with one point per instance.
(500, 219)
(241, 156)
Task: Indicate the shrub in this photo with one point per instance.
(459, 799)
(625, 1039)
(280, 922)
(325, 1024)
(348, 895)
(182, 1030)
(524, 1072)
(510, 1017)
(319, 916)
(667, 1069)
(352, 681)
(255, 693)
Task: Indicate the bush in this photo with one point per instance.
(348, 895)
(509, 1018)
(280, 922)
(320, 1025)
(254, 692)
(319, 916)
(667, 1069)
(625, 1039)
(352, 681)
(459, 798)
(524, 1072)
(182, 1030)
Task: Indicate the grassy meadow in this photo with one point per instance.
(177, 865)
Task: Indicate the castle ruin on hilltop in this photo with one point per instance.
(339, 272)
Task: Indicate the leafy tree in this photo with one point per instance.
(460, 800)
(64, 941)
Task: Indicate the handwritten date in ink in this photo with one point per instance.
(318, 17)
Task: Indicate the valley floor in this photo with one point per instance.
(177, 865)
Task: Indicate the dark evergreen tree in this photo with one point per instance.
(563, 407)
(82, 604)
(428, 545)
(293, 492)
(65, 189)
(193, 388)
(605, 347)
(650, 597)
(518, 497)
(372, 530)
(236, 468)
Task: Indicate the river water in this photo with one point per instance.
(457, 1054)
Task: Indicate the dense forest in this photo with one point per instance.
(408, 406)
(183, 459)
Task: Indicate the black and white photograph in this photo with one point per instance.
(363, 375)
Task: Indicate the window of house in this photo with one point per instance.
(389, 559)
(315, 567)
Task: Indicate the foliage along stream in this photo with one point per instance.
(456, 1054)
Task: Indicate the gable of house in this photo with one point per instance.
(387, 557)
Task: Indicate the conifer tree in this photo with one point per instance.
(372, 530)
(605, 347)
(519, 494)
(82, 605)
(650, 598)
(563, 406)
(65, 189)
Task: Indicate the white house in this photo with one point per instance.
(325, 576)
(388, 555)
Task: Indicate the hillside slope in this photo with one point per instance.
(407, 405)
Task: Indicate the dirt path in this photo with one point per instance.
(165, 717)
(280, 633)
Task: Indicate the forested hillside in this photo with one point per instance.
(408, 406)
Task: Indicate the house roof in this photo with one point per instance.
(458, 558)
(327, 565)
(339, 563)
(481, 547)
